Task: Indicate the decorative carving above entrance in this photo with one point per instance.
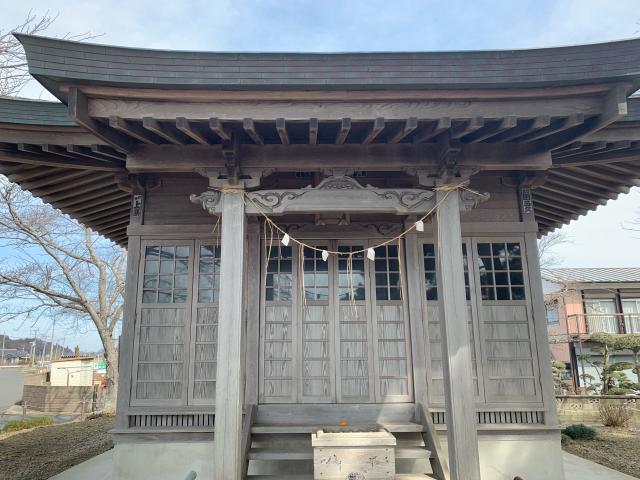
(338, 194)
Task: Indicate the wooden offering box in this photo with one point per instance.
(346, 453)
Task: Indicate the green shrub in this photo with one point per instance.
(23, 424)
(565, 439)
(576, 432)
(618, 391)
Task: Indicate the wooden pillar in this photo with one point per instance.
(230, 377)
(462, 436)
(540, 328)
(415, 291)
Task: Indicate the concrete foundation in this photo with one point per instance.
(532, 456)
(162, 460)
(503, 456)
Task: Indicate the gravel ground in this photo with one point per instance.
(42, 452)
(616, 448)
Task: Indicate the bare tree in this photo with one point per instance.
(546, 247)
(14, 74)
(55, 268)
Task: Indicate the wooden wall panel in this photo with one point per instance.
(354, 373)
(168, 203)
(436, 382)
(392, 354)
(159, 372)
(279, 373)
(205, 351)
(510, 360)
(317, 374)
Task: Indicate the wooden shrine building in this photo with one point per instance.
(326, 238)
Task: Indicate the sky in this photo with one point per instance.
(599, 239)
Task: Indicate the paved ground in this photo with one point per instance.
(576, 468)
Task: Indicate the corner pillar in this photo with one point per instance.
(230, 386)
(462, 435)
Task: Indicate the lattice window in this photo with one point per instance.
(279, 278)
(501, 271)
(387, 265)
(166, 274)
(351, 282)
(209, 274)
(316, 275)
(430, 271)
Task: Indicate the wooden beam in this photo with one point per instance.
(491, 129)
(343, 132)
(523, 127)
(189, 130)
(456, 345)
(42, 160)
(376, 128)
(313, 131)
(36, 173)
(601, 158)
(154, 126)
(551, 215)
(28, 148)
(281, 128)
(625, 169)
(409, 126)
(460, 130)
(297, 157)
(107, 152)
(78, 111)
(215, 125)
(250, 128)
(435, 129)
(63, 152)
(132, 130)
(7, 168)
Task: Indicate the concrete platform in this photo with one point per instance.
(96, 468)
(576, 468)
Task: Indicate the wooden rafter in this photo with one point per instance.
(132, 130)
(409, 126)
(313, 131)
(376, 128)
(55, 161)
(523, 127)
(190, 131)
(343, 132)
(160, 130)
(250, 128)
(556, 126)
(281, 128)
(108, 152)
(491, 129)
(460, 130)
(435, 129)
(215, 125)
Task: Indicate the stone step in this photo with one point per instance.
(393, 427)
(307, 454)
(401, 476)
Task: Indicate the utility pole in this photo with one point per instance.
(4, 335)
(53, 330)
(34, 347)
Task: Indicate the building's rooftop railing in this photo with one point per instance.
(616, 323)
